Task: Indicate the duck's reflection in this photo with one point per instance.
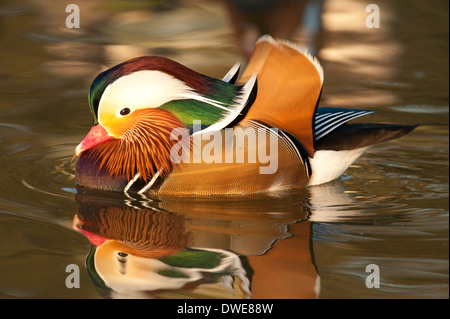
(256, 248)
(143, 251)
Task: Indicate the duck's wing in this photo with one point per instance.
(359, 135)
(333, 132)
(328, 119)
(289, 87)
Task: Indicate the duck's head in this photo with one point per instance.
(137, 105)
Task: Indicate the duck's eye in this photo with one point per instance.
(125, 111)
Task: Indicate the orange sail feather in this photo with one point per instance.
(289, 87)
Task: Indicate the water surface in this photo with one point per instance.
(389, 209)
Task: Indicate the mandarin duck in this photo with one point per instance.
(161, 128)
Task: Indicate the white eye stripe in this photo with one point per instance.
(148, 89)
(142, 89)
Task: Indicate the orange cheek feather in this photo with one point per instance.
(96, 135)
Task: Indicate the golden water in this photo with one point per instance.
(389, 209)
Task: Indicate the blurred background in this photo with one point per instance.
(390, 208)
